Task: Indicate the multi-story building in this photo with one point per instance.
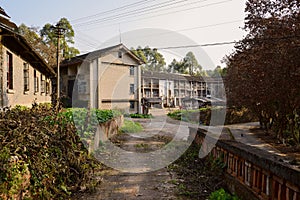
(106, 79)
(170, 90)
(24, 75)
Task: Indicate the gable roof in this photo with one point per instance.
(89, 57)
(18, 44)
(2, 12)
(171, 76)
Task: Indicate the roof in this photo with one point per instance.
(89, 57)
(2, 12)
(152, 99)
(18, 44)
(170, 76)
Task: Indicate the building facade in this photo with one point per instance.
(106, 79)
(24, 75)
(173, 90)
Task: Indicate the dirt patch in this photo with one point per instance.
(292, 152)
(197, 178)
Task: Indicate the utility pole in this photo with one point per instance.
(59, 32)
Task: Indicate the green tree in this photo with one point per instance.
(48, 52)
(264, 71)
(217, 72)
(188, 65)
(191, 64)
(176, 67)
(49, 35)
(153, 59)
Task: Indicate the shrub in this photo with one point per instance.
(44, 143)
(136, 115)
(203, 115)
(131, 127)
(221, 194)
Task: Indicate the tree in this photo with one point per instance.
(188, 65)
(191, 64)
(153, 59)
(48, 52)
(177, 67)
(264, 71)
(217, 72)
(49, 35)
(44, 41)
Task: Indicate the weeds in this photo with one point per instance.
(131, 127)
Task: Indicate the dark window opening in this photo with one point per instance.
(120, 55)
(26, 77)
(43, 84)
(36, 82)
(9, 61)
(47, 87)
(131, 104)
(131, 71)
(131, 88)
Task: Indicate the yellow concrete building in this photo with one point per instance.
(109, 78)
(24, 75)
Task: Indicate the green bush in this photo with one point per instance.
(136, 115)
(203, 115)
(221, 194)
(131, 127)
(45, 144)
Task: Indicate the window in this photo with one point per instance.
(48, 87)
(131, 88)
(131, 71)
(131, 104)
(43, 83)
(9, 61)
(26, 77)
(82, 87)
(36, 82)
(120, 55)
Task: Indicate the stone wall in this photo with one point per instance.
(251, 172)
(107, 130)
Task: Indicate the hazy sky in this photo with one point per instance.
(157, 23)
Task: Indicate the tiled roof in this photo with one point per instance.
(170, 76)
(88, 57)
(18, 44)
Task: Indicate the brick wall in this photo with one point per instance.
(253, 173)
(17, 95)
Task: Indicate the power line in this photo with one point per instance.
(226, 43)
(112, 10)
(132, 12)
(94, 45)
(191, 28)
(167, 13)
(196, 45)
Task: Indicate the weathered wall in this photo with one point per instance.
(17, 96)
(251, 172)
(107, 130)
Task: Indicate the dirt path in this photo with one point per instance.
(158, 184)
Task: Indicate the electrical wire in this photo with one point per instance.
(136, 11)
(111, 11)
(167, 13)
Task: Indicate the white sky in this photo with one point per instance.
(157, 23)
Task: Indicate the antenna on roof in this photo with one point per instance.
(120, 35)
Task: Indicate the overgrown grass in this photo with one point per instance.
(198, 177)
(143, 116)
(221, 194)
(203, 115)
(42, 155)
(86, 121)
(131, 127)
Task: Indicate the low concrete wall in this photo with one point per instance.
(251, 172)
(107, 130)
